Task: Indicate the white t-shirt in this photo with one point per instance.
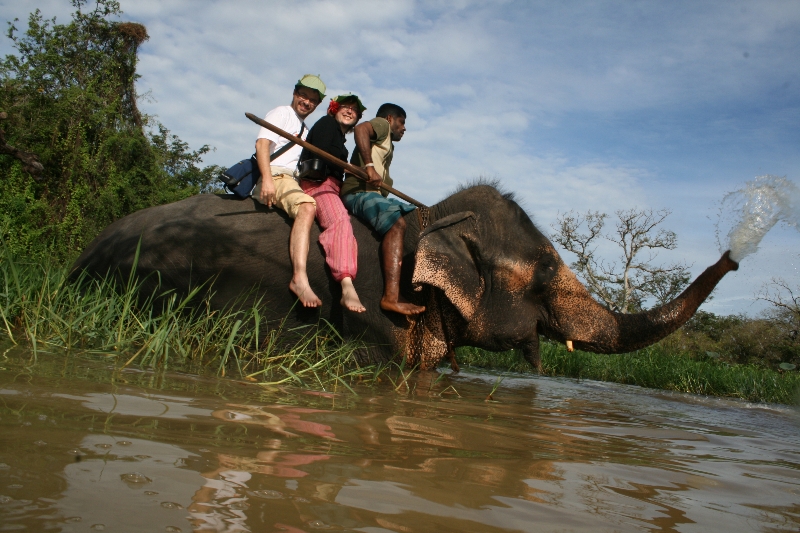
(286, 119)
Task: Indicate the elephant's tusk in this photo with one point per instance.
(569, 346)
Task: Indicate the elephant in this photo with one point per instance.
(486, 275)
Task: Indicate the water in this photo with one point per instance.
(746, 215)
(87, 448)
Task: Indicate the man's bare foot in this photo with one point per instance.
(401, 306)
(303, 291)
(350, 297)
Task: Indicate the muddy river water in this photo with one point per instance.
(86, 448)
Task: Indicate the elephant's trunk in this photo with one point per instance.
(591, 327)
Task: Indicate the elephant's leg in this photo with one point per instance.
(451, 356)
(531, 354)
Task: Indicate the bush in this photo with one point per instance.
(765, 341)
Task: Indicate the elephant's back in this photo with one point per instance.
(236, 243)
(203, 229)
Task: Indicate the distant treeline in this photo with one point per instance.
(78, 153)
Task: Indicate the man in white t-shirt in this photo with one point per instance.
(277, 185)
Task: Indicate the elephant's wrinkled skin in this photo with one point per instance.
(487, 276)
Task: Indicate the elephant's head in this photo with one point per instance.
(498, 283)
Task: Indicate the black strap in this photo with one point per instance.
(288, 145)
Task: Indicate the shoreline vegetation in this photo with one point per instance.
(41, 309)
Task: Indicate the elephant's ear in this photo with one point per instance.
(446, 259)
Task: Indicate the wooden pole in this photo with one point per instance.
(352, 169)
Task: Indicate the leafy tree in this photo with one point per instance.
(623, 285)
(79, 152)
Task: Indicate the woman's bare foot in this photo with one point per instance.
(402, 306)
(350, 297)
(302, 290)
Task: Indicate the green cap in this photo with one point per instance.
(313, 82)
(350, 96)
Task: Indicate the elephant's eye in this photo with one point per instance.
(545, 271)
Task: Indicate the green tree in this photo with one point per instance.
(69, 99)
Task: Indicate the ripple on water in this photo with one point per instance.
(135, 477)
(266, 494)
(171, 505)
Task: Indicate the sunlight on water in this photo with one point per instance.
(748, 214)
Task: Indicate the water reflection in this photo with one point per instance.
(190, 454)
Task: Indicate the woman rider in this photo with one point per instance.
(323, 181)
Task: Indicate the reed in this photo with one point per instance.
(652, 367)
(40, 308)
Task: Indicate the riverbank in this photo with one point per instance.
(41, 309)
(653, 367)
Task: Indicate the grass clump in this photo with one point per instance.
(40, 307)
(653, 367)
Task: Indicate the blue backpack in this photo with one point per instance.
(241, 178)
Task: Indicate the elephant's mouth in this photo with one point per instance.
(566, 336)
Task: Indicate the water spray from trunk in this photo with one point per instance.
(748, 214)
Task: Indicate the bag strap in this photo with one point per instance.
(288, 145)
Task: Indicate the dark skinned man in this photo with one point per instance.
(374, 151)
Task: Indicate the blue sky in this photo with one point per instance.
(573, 105)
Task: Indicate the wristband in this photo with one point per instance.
(369, 165)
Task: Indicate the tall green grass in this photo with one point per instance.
(652, 367)
(41, 308)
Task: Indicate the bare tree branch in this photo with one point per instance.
(781, 295)
(625, 285)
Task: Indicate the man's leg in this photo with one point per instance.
(392, 251)
(298, 252)
(301, 207)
